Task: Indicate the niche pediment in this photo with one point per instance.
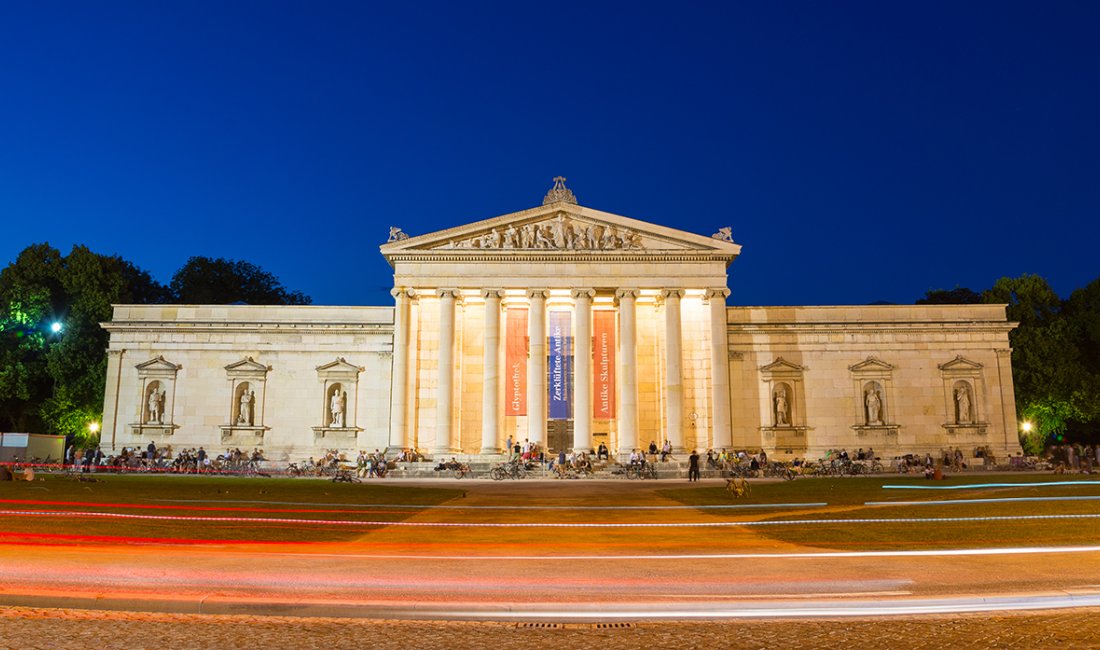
(871, 364)
(339, 368)
(960, 364)
(781, 366)
(158, 365)
(247, 367)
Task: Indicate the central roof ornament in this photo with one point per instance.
(559, 193)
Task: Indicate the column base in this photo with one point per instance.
(490, 451)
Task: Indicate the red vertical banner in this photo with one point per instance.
(603, 375)
(515, 362)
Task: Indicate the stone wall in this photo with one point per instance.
(829, 357)
(279, 351)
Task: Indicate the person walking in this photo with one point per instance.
(693, 466)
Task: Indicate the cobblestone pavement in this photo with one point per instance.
(25, 628)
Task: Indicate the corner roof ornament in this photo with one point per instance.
(559, 193)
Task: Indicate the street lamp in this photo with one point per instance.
(93, 427)
(1027, 427)
(56, 327)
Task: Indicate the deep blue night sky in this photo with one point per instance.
(861, 151)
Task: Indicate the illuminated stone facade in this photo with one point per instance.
(514, 326)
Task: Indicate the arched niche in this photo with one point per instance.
(339, 399)
(782, 407)
(156, 397)
(873, 403)
(964, 401)
(247, 395)
(962, 392)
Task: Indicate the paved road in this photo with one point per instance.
(563, 574)
(32, 629)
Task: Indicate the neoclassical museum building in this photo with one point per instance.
(569, 327)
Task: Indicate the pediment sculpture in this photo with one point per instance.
(560, 233)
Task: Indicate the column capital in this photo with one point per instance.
(1003, 352)
(402, 292)
(627, 293)
(118, 352)
(583, 293)
(448, 293)
(668, 293)
(717, 292)
(492, 294)
(538, 293)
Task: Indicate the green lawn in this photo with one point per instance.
(847, 498)
(204, 499)
(191, 496)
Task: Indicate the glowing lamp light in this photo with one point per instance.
(1027, 427)
(93, 427)
(55, 327)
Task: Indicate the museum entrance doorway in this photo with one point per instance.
(559, 435)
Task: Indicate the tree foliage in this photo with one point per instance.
(54, 382)
(956, 296)
(205, 281)
(1055, 354)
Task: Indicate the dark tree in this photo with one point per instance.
(956, 296)
(205, 281)
(53, 381)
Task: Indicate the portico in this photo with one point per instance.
(607, 329)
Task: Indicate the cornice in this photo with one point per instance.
(243, 327)
(509, 256)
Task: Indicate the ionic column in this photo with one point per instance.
(399, 382)
(674, 375)
(582, 370)
(490, 396)
(721, 422)
(444, 401)
(536, 367)
(628, 374)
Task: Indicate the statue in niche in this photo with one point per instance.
(156, 407)
(724, 234)
(511, 237)
(543, 237)
(962, 398)
(527, 236)
(336, 408)
(396, 234)
(244, 416)
(874, 407)
(593, 236)
(782, 407)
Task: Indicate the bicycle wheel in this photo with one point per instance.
(632, 473)
(497, 474)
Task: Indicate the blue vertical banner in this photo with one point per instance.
(560, 365)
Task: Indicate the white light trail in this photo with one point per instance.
(451, 524)
(954, 501)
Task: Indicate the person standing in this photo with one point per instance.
(693, 466)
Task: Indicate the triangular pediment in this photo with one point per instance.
(158, 363)
(562, 228)
(871, 364)
(781, 365)
(960, 363)
(247, 364)
(340, 365)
